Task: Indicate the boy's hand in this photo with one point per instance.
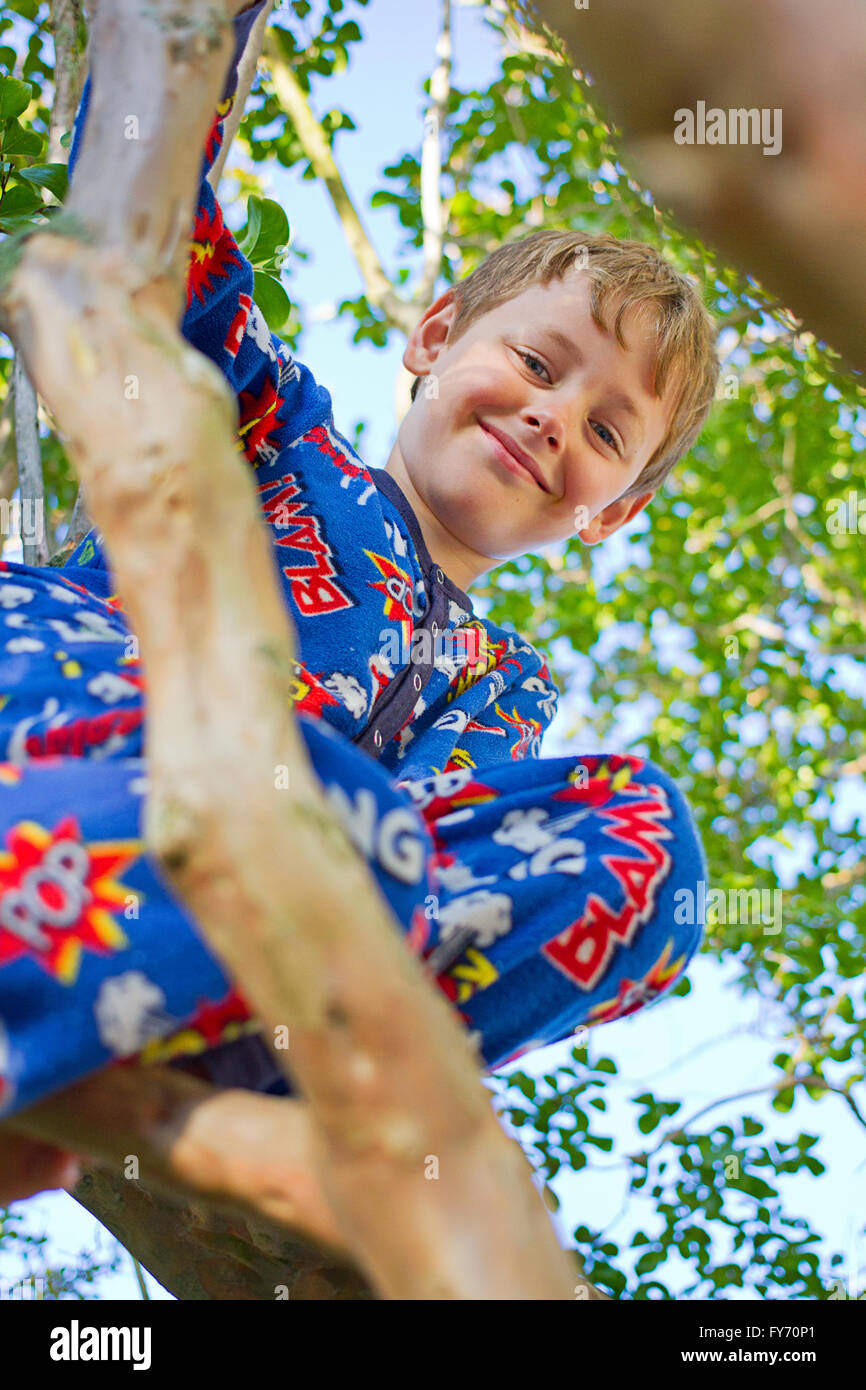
(28, 1166)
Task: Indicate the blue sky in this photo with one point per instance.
(382, 90)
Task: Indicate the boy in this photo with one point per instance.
(562, 381)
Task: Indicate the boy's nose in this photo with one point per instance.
(547, 428)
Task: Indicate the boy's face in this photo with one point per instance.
(583, 414)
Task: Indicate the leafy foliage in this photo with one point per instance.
(29, 1273)
(707, 1201)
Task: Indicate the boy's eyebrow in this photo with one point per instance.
(618, 399)
(558, 337)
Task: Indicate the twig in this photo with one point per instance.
(29, 453)
(140, 1278)
(432, 211)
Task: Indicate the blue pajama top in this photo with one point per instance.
(543, 894)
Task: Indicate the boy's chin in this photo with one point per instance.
(483, 517)
(490, 542)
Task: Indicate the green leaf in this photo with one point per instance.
(15, 97)
(250, 236)
(272, 299)
(15, 224)
(525, 1084)
(54, 177)
(650, 1261)
(271, 231)
(600, 1142)
(18, 141)
(19, 201)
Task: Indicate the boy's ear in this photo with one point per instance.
(613, 516)
(429, 334)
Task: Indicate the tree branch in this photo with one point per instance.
(431, 163)
(70, 70)
(8, 460)
(28, 452)
(250, 1155)
(198, 1253)
(773, 1087)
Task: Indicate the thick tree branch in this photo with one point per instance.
(198, 1253)
(250, 1155)
(70, 70)
(224, 1203)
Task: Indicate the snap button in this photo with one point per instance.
(377, 739)
(439, 576)
(417, 682)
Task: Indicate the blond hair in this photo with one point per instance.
(629, 275)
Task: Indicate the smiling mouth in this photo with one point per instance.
(509, 461)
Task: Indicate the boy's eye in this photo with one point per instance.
(598, 426)
(529, 357)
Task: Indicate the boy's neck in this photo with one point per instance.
(461, 564)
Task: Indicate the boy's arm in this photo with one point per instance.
(278, 398)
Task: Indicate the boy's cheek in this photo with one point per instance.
(483, 391)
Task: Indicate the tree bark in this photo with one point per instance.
(202, 1254)
(28, 451)
(795, 219)
(280, 894)
(70, 70)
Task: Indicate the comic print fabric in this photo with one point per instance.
(541, 893)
